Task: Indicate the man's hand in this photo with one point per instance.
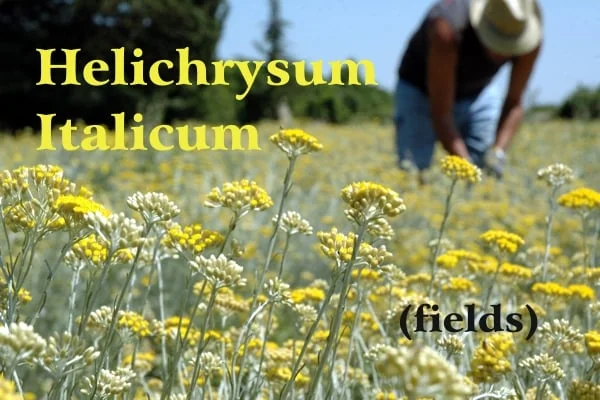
(494, 162)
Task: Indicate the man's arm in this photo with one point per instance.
(441, 70)
(512, 111)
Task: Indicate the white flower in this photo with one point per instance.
(153, 206)
(219, 271)
(556, 175)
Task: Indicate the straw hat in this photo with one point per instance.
(507, 27)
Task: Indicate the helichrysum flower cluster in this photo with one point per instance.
(65, 351)
(153, 206)
(504, 242)
(583, 390)
(460, 284)
(143, 364)
(117, 230)
(592, 342)
(133, 322)
(515, 271)
(43, 182)
(490, 359)
(336, 245)
(193, 238)
(542, 367)
(422, 371)
(558, 334)
(451, 344)
(380, 228)
(457, 168)
(582, 199)
(111, 383)
(368, 200)
(74, 208)
(23, 295)
(293, 223)
(556, 175)
(296, 142)
(219, 271)
(20, 342)
(88, 250)
(240, 197)
(583, 292)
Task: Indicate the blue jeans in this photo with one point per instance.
(476, 119)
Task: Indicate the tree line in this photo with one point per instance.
(158, 27)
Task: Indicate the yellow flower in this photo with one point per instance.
(240, 197)
(490, 360)
(143, 362)
(502, 240)
(366, 275)
(134, 322)
(336, 245)
(457, 168)
(368, 200)
(309, 293)
(8, 390)
(581, 199)
(592, 342)
(460, 284)
(192, 238)
(551, 289)
(515, 271)
(91, 250)
(74, 208)
(584, 292)
(295, 142)
(447, 261)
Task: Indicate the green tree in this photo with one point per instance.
(158, 27)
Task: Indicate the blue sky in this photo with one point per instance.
(339, 29)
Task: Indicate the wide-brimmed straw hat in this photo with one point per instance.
(507, 27)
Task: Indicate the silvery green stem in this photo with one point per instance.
(180, 345)
(246, 330)
(549, 232)
(337, 319)
(491, 287)
(161, 310)
(73, 295)
(201, 342)
(271, 307)
(260, 276)
(354, 325)
(17, 382)
(232, 225)
(436, 253)
(584, 241)
(289, 385)
(111, 330)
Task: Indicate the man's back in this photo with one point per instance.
(474, 70)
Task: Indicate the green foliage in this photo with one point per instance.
(158, 27)
(583, 103)
(330, 103)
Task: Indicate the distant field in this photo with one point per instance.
(361, 152)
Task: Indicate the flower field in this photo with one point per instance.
(283, 273)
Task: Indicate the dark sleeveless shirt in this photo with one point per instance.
(475, 69)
